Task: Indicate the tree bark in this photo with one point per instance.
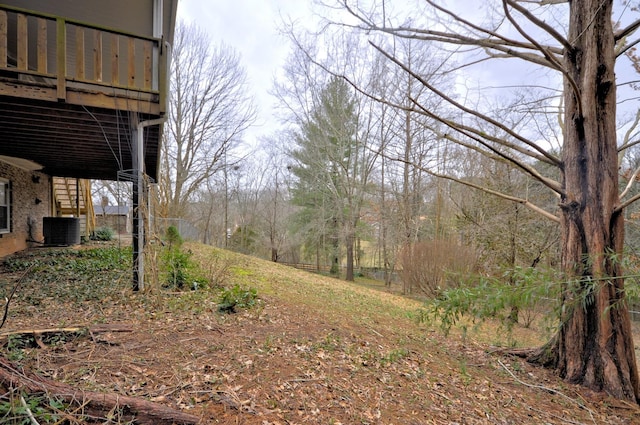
(349, 245)
(140, 410)
(594, 345)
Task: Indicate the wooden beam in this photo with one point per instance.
(162, 79)
(61, 50)
(3, 39)
(97, 55)
(42, 45)
(115, 59)
(100, 100)
(22, 43)
(147, 104)
(80, 61)
(131, 61)
(148, 64)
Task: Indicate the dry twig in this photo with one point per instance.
(551, 390)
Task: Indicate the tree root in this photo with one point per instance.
(545, 356)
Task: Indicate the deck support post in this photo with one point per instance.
(138, 202)
(138, 197)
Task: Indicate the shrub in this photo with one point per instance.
(173, 236)
(528, 289)
(103, 234)
(176, 261)
(243, 240)
(237, 296)
(430, 267)
(17, 407)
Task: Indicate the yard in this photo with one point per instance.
(307, 350)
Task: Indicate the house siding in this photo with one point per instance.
(119, 223)
(26, 215)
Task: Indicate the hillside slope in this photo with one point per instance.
(314, 350)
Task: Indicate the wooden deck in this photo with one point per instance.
(72, 94)
(50, 58)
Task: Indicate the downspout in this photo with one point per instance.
(138, 220)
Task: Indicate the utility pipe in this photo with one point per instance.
(138, 192)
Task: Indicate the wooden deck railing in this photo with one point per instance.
(64, 52)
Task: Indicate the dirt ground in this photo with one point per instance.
(313, 350)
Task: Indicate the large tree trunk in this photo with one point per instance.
(350, 256)
(594, 346)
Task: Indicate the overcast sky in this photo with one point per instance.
(250, 27)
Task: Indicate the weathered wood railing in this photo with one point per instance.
(65, 51)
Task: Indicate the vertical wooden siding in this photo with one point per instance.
(70, 51)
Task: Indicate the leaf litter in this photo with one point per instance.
(314, 350)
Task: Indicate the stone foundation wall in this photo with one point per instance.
(30, 202)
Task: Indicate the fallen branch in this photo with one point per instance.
(29, 412)
(7, 300)
(74, 329)
(131, 408)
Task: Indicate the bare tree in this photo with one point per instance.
(334, 158)
(114, 192)
(593, 345)
(209, 111)
(274, 209)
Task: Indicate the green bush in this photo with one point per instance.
(237, 296)
(177, 262)
(103, 234)
(172, 237)
(526, 289)
(20, 408)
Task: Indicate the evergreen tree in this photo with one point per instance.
(326, 167)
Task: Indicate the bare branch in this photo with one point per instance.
(505, 196)
(625, 32)
(552, 159)
(627, 47)
(457, 39)
(493, 41)
(630, 183)
(626, 203)
(632, 144)
(467, 131)
(627, 143)
(542, 49)
(499, 36)
(544, 2)
(540, 24)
